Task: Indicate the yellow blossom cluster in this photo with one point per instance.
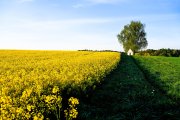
(71, 112)
(31, 82)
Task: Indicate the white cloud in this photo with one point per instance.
(78, 5)
(104, 1)
(88, 3)
(23, 1)
(59, 34)
(84, 33)
(57, 24)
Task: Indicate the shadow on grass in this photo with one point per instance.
(127, 95)
(154, 77)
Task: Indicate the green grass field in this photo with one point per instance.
(164, 72)
(127, 94)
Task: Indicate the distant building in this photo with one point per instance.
(130, 52)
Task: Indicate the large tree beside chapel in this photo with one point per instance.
(133, 36)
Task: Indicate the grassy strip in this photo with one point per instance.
(163, 72)
(127, 95)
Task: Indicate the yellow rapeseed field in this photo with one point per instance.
(31, 82)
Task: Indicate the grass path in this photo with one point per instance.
(127, 95)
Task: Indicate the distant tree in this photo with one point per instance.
(133, 36)
(161, 52)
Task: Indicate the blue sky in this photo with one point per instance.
(86, 24)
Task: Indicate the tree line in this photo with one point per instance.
(161, 52)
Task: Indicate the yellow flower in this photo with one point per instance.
(55, 89)
(26, 93)
(73, 113)
(50, 99)
(35, 118)
(73, 101)
(19, 110)
(39, 116)
(30, 107)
